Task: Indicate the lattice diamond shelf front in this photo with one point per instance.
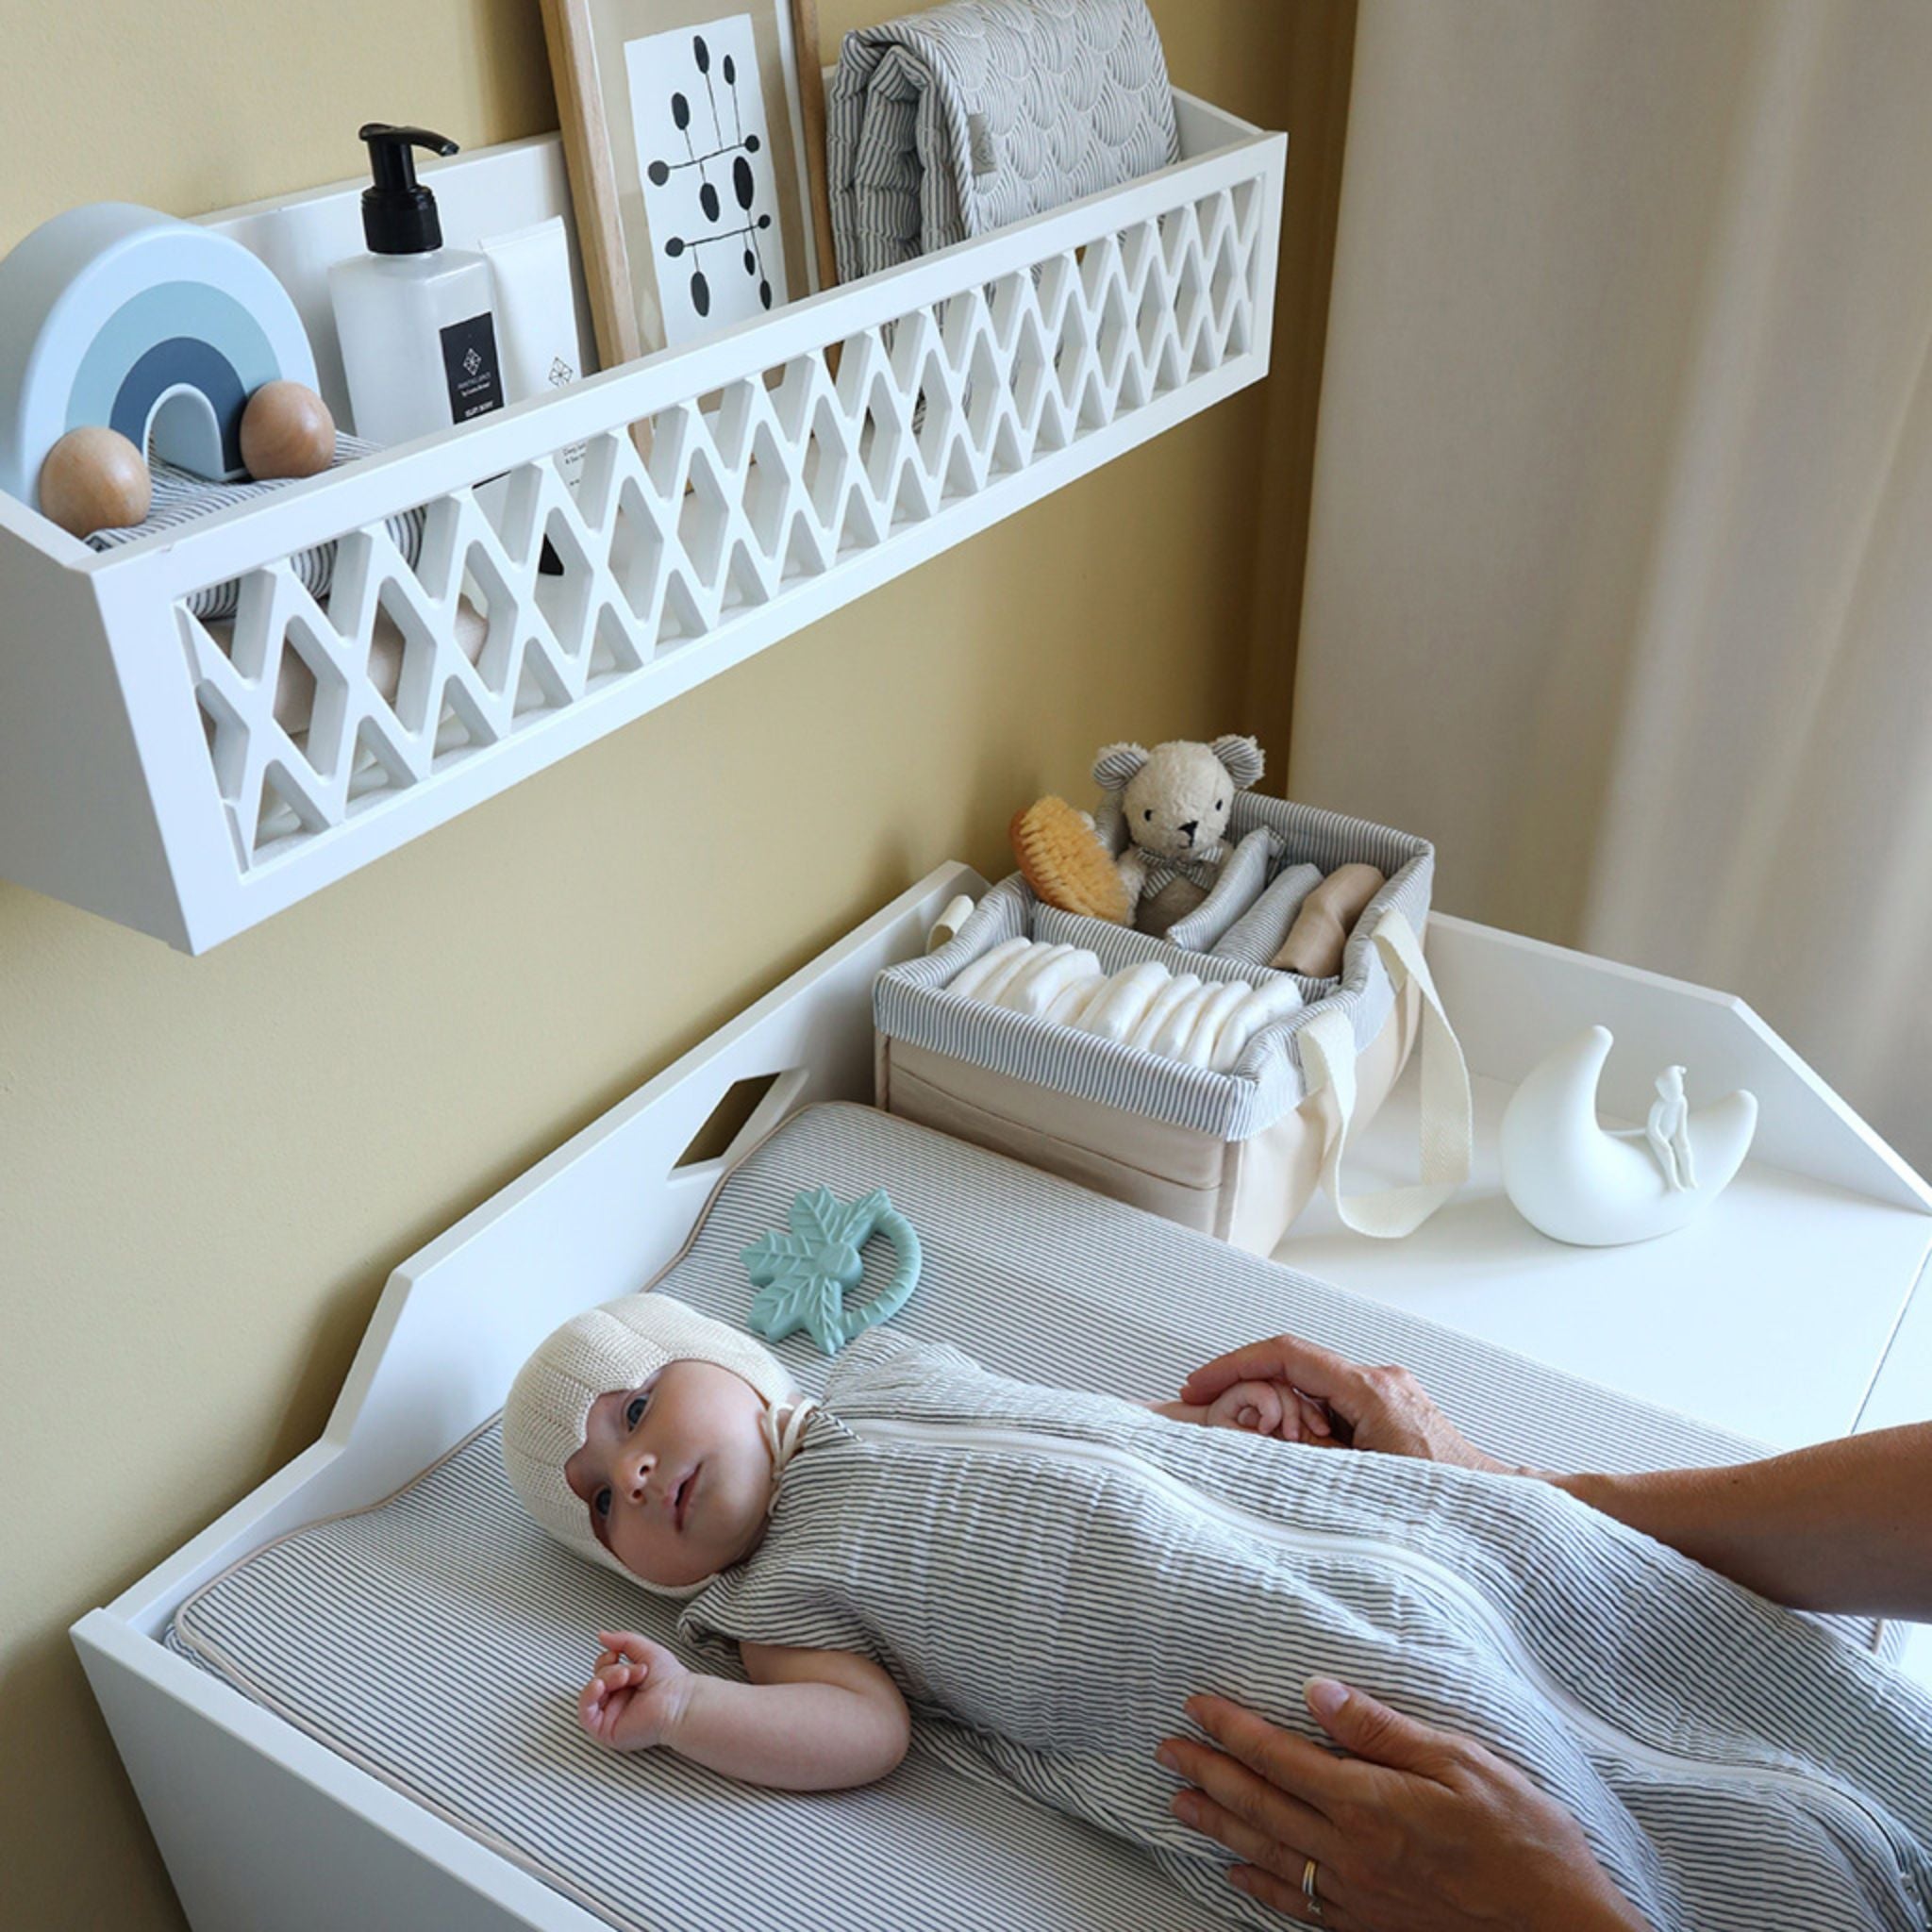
(527, 598)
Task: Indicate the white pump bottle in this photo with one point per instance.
(416, 321)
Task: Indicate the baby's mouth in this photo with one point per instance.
(680, 1497)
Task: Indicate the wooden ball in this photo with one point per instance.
(286, 432)
(94, 479)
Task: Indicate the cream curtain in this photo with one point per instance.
(1620, 572)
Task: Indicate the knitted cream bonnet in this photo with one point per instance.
(615, 1346)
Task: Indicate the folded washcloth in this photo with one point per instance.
(1275, 1000)
(1039, 985)
(1121, 1005)
(985, 977)
(1143, 1005)
(980, 112)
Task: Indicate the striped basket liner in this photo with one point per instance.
(911, 1002)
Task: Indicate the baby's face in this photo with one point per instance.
(675, 1474)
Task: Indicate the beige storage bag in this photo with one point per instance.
(1236, 1155)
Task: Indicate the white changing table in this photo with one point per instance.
(1779, 1316)
(1791, 1311)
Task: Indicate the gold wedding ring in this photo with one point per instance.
(1309, 1893)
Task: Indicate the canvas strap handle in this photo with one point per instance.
(1328, 1057)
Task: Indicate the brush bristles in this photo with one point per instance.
(1065, 863)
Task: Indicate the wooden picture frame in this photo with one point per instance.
(595, 58)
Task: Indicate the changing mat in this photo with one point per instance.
(349, 1628)
(980, 112)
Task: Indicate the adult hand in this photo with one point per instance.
(1379, 1409)
(1417, 1831)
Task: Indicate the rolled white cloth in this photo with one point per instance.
(1075, 1000)
(1164, 1002)
(1199, 1050)
(1176, 1015)
(1042, 980)
(1172, 1037)
(1117, 1008)
(1262, 1008)
(983, 977)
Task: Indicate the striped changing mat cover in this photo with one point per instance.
(950, 123)
(346, 1627)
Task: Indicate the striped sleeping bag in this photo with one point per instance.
(1049, 1575)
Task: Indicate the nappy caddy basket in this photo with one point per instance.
(1238, 1154)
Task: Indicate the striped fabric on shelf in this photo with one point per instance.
(182, 498)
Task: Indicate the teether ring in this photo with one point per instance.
(802, 1278)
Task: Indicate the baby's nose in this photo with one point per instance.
(641, 1475)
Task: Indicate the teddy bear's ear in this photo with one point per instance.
(1243, 758)
(1117, 765)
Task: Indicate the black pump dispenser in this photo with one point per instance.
(398, 213)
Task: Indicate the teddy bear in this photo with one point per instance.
(1165, 817)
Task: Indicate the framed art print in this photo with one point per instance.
(685, 142)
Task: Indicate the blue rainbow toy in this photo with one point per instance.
(113, 315)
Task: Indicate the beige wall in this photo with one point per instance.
(208, 1167)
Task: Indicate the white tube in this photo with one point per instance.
(946, 927)
(537, 319)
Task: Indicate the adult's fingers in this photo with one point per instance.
(1314, 1369)
(1316, 1778)
(1231, 1789)
(1377, 1735)
(1287, 1896)
(1285, 1862)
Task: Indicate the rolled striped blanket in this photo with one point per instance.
(1048, 1575)
(947, 124)
(181, 499)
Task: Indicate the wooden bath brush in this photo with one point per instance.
(1065, 863)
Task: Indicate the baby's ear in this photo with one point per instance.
(1117, 766)
(1243, 758)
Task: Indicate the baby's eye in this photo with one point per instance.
(600, 1502)
(634, 1409)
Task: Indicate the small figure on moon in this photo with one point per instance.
(1668, 1131)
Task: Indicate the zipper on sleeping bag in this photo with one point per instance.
(1011, 1440)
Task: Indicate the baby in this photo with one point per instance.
(671, 1474)
(1045, 1576)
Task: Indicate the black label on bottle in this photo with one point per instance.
(469, 360)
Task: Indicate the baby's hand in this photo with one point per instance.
(636, 1695)
(1260, 1408)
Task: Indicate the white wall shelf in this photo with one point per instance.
(190, 779)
